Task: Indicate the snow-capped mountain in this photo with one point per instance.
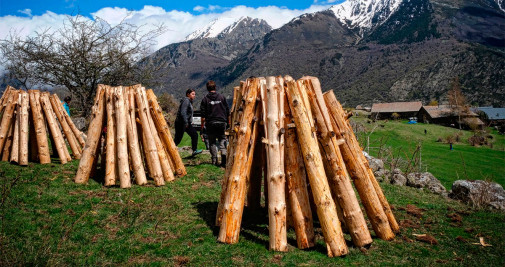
(222, 26)
(365, 14)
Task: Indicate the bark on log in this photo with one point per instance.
(152, 157)
(57, 108)
(94, 132)
(122, 147)
(110, 153)
(8, 143)
(133, 143)
(61, 147)
(358, 168)
(23, 130)
(233, 205)
(164, 133)
(326, 209)
(337, 175)
(296, 178)
(40, 127)
(7, 117)
(274, 127)
(5, 97)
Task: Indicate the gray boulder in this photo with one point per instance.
(479, 193)
(398, 178)
(80, 123)
(382, 176)
(375, 164)
(427, 181)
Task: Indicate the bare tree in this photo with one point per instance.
(457, 101)
(79, 56)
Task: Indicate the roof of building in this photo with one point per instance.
(442, 111)
(493, 113)
(396, 107)
(472, 121)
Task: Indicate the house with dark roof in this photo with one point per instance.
(404, 109)
(494, 116)
(447, 115)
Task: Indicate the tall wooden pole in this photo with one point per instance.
(133, 143)
(110, 154)
(122, 147)
(374, 201)
(7, 116)
(326, 209)
(14, 149)
(40, 127)
(74, 146)
(94, 133)
(54, 128)
(338, 177)
(23, 129)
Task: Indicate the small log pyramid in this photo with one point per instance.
(301, 144)
(130, 135)
(27, 117)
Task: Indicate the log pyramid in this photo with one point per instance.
(299, 141)
(130, 135)
(27, 117)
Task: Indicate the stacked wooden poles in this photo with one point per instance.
(235, 189)
(24, 118)
(375, 203)
(135, 130)
(309, 162)
(336, 172)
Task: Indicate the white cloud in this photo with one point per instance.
(26, 11)
(179, 24)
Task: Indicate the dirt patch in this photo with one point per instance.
(426, 238)
(409, 224)
(461, 239)
(414, 211)
(455, 217)
(181, 260)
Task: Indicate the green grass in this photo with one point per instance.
(463, 162)
(46, 219)
(186, 141)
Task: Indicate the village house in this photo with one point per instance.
(494, 116)
(405, 110)
(447, 115)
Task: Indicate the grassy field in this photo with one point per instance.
(463, 162)
(46, 219)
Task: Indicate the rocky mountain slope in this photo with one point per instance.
(370, 51)
(188, 64)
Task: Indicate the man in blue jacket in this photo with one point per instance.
(215, 113)
(184, 120)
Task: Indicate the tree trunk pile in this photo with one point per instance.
(300, 143)
(26, 120)
(130, 135)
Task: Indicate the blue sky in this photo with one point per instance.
(39, 7)
(180, 18)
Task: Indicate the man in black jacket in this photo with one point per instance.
(215, 113)
(184, 120)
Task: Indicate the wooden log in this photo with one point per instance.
(5, 97)
(57, 108)
(8, 143)
(374, 201)
(14, 148)
(151, 152)
(122, 147)
(235, 114)
(326, 209)
(133, 143)
(168, 173)
(233, 205)
(110, 153)
(273, 99)
(54, 128)
(339, 180)
(358, 170)
(23, 129)
(296, 178)
(40, 127)
(7, 117)
(94, 132)
(164, 133)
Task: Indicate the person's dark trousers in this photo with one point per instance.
(179, 132)
(215, 131)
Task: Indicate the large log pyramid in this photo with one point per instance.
(25, 117)
(303, 143)
(128, 129)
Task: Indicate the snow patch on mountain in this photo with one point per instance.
(501, 4)
(365, 14)
(222, 25)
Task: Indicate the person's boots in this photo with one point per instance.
(223, 161)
